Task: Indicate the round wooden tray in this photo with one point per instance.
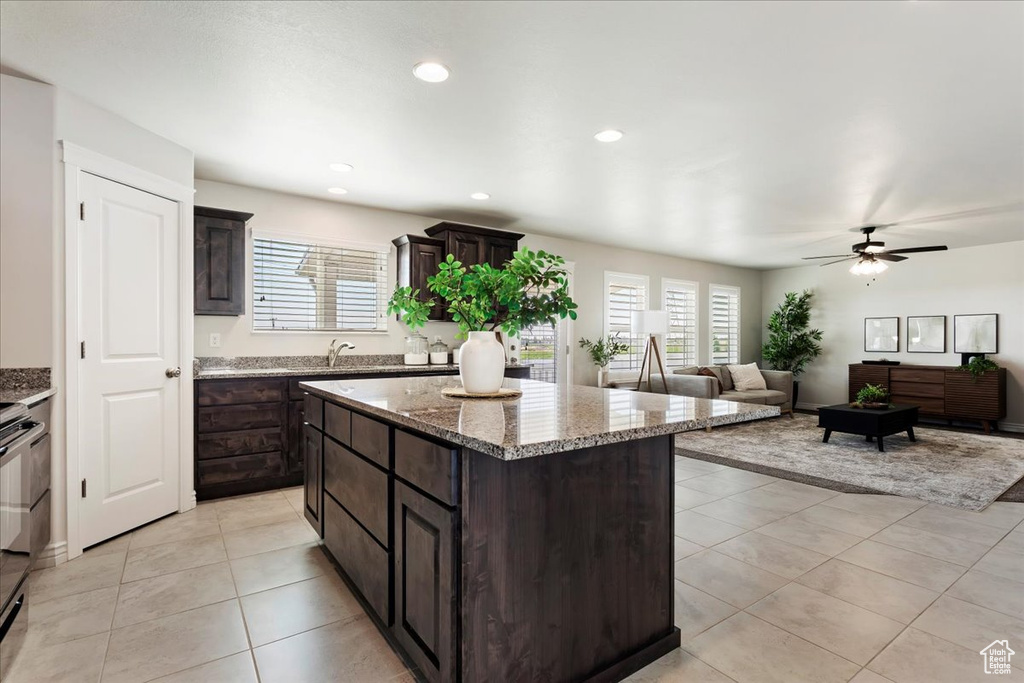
(459, 392)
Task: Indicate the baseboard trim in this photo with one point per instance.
(52, 555)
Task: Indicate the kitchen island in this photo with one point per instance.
(504, 540)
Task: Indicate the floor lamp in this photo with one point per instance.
(651, 324)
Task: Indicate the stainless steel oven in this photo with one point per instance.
(21, 477)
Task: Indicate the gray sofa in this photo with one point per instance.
(686, 382)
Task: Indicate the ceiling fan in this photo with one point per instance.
(871, 254)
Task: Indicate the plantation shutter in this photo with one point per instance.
(680, 300)
(725, 325)
(302, 285)
(623, 295)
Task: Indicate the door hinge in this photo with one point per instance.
(83, 349)
(83, 488)
(81, 211)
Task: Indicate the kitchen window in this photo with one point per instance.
(725, 325)
(624, 294)
(315, 286)
(679, 298)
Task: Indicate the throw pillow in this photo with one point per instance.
(726, 376)
(747, 377)
(709, 372)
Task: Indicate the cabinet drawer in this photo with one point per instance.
(241, 468)
(238, 443)
(428, 466)
(929, 406)
(917, 389)
(220, 392)
(313, 410)
(928, 375)
(235, 418)
(370, 439)
(361, 488)
(365, 562)
(338, 423)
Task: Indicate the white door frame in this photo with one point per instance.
(78, 160)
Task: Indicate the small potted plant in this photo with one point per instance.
(602, 352)
(978, 366)
(872, 396)
(532, 288)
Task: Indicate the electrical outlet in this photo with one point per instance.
(215, 340)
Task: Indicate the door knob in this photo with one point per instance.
(173, 372)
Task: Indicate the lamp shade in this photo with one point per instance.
(649, 322)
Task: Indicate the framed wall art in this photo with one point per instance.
(882, 334)
(926, 334)
(977, 333)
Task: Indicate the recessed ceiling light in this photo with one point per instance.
(431, 72)
(480, 195)
(337, 190)
(343, 168)
(610, 135)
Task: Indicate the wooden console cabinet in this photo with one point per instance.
(939, 391)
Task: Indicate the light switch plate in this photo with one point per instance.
(215, 340)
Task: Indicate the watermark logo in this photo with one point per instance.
(997, 657)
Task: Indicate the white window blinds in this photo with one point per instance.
(680, 300)
(725, 324)
(624, 294)
(301, 285)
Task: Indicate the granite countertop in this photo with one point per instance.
(227, 373)
(25, 385)
(548, 418)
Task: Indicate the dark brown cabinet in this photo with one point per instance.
(313, 492)
(938, 391)
(425, 591)
(472, 244)
(418, 258)
(219, 261)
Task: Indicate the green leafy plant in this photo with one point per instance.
(405, 303)
(532, 288)
(603, 351)
(791, 345)
(872, 393)
(978, 366)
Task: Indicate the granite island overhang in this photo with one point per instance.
(505, 540)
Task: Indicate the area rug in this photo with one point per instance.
(967, 471)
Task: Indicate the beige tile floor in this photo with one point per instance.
(776, 581)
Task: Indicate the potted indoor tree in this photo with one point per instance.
(602, 352)
(531, 288)
(791, 345)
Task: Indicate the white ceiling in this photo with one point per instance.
(756, 133)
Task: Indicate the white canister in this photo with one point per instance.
(455, 354)
(482, 363)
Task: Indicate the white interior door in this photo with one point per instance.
(129, 312)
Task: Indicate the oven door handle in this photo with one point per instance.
(3, 451)
(30, 432)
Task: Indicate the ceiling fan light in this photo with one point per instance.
(878, 266)
(857, 268)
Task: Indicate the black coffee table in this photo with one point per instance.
(869, 422)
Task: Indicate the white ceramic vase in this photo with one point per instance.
(482, 363)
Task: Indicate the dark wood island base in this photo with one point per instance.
(538, 560)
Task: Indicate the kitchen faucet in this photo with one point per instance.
(333, 353)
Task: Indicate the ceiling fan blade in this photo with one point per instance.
(888, 256)
(846, 258)
(810, 258)
(917, 250)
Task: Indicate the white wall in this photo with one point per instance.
(26, 222)
(279, 212)
(986, 279)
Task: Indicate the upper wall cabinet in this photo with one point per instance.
(220, 261)
(471, 244)
(418, 258)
